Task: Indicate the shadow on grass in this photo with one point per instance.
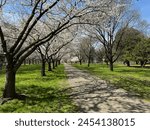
(148, 67)
(41, 79)
(53, 97)
(140, 88)
(132, 70)
(25, 68)
(40, 99)
(43, 94)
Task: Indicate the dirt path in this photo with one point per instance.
(92, 94)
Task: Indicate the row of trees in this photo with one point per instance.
(46, 27)
(26, 25)
(115, 36)
(52, 52)
(134, 46)
(85, 50)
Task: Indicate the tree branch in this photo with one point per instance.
(25, 28)
(33, 24)
(3, 40)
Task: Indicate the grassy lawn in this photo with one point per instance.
(134, 80)
(44, 94)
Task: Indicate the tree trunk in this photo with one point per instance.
(29, 61)
(10, 91)
(43, 68)
(49, 66)
(89, 61)
(80, 62)
(128, 63)
(142, 63)
(58, 62)
(111, 66)
(53, 62)
(136, 62)
(33, 61)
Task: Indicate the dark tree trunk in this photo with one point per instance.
(128, 63)
(1, 66)
(49, 66)
(88, 64)
(53, 62)
(29, 61)
(33, 61)
(111, 66)
(89, 61)
(110, 58)
(136, 62)
(43, 68)
(10, 91)
(58, 62)
(80, 62)
(142, 63)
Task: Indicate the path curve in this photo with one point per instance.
(91, 94)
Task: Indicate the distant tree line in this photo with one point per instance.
(135, 47)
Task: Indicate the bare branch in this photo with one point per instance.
(25, 27)
(2, 3)
(3, 41)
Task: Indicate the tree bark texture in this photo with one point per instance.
(10, 91)
(43, 68)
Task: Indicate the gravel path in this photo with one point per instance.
(92, 94)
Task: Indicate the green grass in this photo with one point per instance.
(134, 80)
(44, 94)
